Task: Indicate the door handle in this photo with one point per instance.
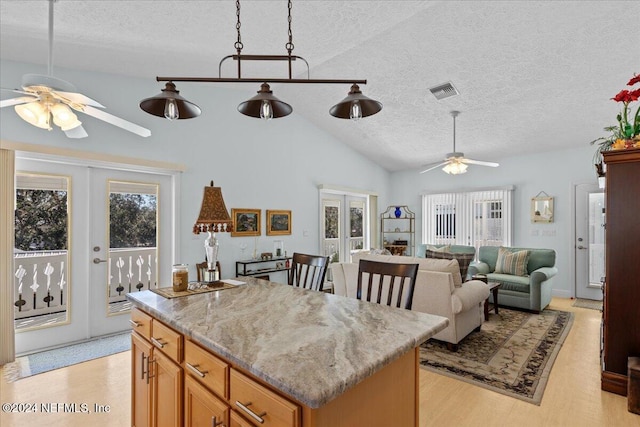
(582, 247)
(98, 260)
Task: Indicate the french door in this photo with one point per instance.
(75, 288)
(589, 244)
(344, 223)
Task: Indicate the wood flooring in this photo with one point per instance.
(572, 396)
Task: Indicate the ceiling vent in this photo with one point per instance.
(445, 90)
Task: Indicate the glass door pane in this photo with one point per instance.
(41, 254)
(596, 239)
(133, 258)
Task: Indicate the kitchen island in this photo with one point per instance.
(325, 360)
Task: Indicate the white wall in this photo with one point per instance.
(555, 173)
(261, 165)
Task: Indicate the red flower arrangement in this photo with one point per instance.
(627, 133)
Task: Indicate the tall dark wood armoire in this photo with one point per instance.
(621, 314)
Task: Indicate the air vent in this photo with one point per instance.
(445, 90)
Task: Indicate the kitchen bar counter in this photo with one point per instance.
(312, 346)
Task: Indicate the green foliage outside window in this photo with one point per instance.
(41, 220)
(133, 220)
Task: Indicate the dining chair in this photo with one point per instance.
(392, 279)
(308, 271)
(201, 268)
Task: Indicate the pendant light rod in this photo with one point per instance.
(258, 80)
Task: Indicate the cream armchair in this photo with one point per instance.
(439, 290)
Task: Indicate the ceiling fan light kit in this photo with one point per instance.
(48, 99)
(455, 163)
(265, 105)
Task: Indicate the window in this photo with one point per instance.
(474, 218)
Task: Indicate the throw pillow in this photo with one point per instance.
(512, 262)
(463, 260)
(445, 248)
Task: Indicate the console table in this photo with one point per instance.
(264, 266)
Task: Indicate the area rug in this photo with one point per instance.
(587, 303)
(512, 354)
(49, 360)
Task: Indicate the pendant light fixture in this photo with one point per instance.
(170, 104)
(264, 105)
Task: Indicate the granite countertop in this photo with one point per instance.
(312, 346)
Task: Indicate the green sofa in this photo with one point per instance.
(531, 292)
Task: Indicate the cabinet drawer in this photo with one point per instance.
(167, 340)
(254, 401)
(141, 322)
(207, 368)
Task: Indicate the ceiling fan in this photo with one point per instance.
(455, 163)
(47, 99)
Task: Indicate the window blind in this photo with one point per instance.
(473, 218)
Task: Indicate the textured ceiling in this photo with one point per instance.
(532, 75)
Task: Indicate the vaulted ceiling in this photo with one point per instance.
(532, 75)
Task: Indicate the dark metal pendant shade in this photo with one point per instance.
(156, 105)
(368, 106)
(253, 106)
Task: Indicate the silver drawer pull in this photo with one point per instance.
(214, 423)
(157, 343)
(134, 323)
(252, 414)
(194, 368)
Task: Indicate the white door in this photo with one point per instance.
(50, 298)
(69, 294)
(125, 235)
(344, 226)
(589, 244)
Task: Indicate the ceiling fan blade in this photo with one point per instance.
(24, 92)
(116, 121)
(17, 101)
(480, 162)
(76, 98)
(434, 166)
(76, 132)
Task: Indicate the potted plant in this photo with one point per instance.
(626, 134)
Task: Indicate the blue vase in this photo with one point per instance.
(398, 212)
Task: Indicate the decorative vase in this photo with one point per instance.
(397, 212)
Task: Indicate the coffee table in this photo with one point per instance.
(493, 288)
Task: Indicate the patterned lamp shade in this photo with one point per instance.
(214, 215)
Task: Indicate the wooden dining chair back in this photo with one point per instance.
(308, 271)
(386, 282)
(202, 267)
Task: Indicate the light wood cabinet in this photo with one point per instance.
(201, 407)
(166, 385)
(156, 378)
(200, 386)
(140, 387)
(621, 315)
(260, 404)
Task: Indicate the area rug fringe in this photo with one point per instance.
(454, 365)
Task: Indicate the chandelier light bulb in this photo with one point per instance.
(356, 111)
(34, 113)
(171, 109)
(455, 168)
(266, 111)
(64, 117)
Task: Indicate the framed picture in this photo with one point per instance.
(246, 222)
(278, 223)
(542, 209)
